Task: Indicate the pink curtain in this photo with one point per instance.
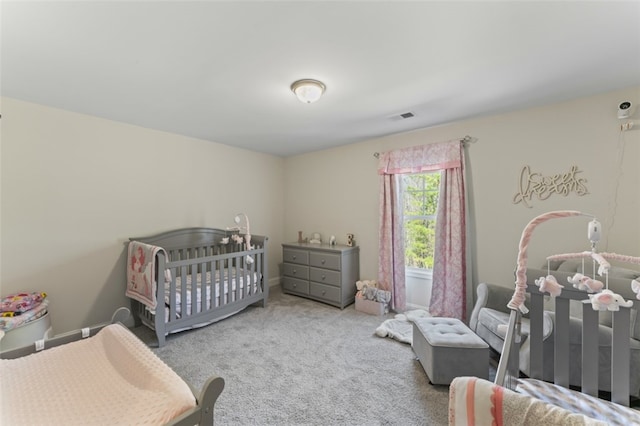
(448, 290)
(391, 253)
(449, 286)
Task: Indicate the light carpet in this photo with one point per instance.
(300, 362)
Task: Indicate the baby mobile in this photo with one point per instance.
(239, 239)
(600, 297)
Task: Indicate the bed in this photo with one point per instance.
(192, 277)
(99, 375)
(531, 400)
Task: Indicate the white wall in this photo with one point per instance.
(75, 188)
(418, 286)
(336, 191)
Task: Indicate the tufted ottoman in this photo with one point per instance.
(447, 348)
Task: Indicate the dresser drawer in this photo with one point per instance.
(324, 276)
(296, 271)
(296, 256)
(325, 260)
(322, 272)
(296, 285)
(326, 292)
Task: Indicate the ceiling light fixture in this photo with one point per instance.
(307, 90)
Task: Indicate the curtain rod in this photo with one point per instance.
(466, 139)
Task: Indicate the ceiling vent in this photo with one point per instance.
(403, 116)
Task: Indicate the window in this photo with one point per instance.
(420, 192)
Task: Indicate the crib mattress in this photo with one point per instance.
(577, 402)
(229, 285)
(111, 378)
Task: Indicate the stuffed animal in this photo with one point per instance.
(366, 283)
(383, 296)
(582, 282)
(369, 293)
(591, 285)
(607, 300)
(576, 279)
(550, 285)
(368, 289)
(635, 286)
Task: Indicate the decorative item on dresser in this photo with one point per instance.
(323, 272)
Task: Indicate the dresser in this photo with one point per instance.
(321, 272)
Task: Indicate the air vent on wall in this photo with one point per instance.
(406, 115)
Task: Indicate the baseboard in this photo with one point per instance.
(411, 306)
(275, 281)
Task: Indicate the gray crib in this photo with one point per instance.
(603, 353)
(210, 277)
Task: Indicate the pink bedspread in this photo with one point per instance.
(111, 379)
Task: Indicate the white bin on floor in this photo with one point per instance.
(27, 334)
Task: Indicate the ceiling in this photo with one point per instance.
(221, 71)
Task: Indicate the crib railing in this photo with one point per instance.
(211, 278)
(191, 277)
(192, 254)
(620, 345)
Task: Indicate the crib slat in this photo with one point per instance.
(193, 309)
(535, 334)
(224, 272)
(590, 352)
(242, 269)
(203, 283)
(253, 277)
(183, 290)
(172, 295)
(620, 357)
(259, 268)
(215, 273)
(212, 285)
(237, 261)
(246, 279)
(561, 353)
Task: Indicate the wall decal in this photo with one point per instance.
(542, 187)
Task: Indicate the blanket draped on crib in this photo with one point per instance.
(141, 273)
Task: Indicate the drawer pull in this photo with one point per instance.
(295, 285)
(294, 272)
(294, 257)
(322, 261)
(323, 277)
(324, 292)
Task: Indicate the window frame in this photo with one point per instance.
(414, 271)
